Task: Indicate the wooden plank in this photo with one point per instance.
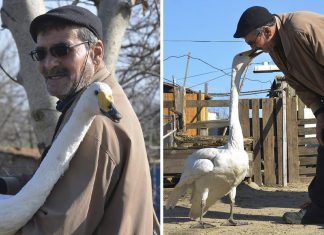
(168, 103)
(209, 103)
(173, 160)
(306, 121)
(303, 150)
(303, 140)
(178, 105)
(268, 142)
(209, 124)
(173, 166)
(301, 107)
(310, 171)
(308, 161)
(177, 153)
(203, 117)
(306, 131)
(279, 139)
(256, 143)
(199, 108)
(292, 139)
(244, 117)
(191, 114)
(168, 97)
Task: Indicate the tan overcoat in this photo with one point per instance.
(302, 38)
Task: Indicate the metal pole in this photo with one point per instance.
(284, 137)
(186, 72)
(183, 95)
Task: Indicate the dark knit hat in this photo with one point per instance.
(70, 14)
(251, 19)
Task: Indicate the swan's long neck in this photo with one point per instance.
(14, 211)
(239, 65)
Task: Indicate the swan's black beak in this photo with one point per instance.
(113, 114)
(107, 107)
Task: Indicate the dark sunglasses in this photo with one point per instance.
(58, 50)
(251, 43)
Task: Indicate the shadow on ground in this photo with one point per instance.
(247, 197)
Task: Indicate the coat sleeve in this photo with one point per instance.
(77, 201)
(311, 64)
(309, 98)
(315, 38)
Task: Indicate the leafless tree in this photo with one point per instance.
(15, 122)
(138, 69)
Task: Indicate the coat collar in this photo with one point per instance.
(280, 19)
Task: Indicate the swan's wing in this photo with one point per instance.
(197, 165)
(194, 169)
(207, 153)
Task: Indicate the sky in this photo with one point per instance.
(185, 21)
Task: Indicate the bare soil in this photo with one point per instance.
(262, 209)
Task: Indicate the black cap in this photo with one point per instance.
(71, 14)
(251, 19)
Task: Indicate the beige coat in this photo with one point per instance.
(107, 188)
(302, 37)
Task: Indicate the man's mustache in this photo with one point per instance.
(56, 72)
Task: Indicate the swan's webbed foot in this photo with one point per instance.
(232, 222)
(202, 225)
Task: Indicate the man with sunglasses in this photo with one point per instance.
(107, 187)
(295, 41)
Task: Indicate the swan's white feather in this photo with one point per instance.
(15, 211)
(212, 173)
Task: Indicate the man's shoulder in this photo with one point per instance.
(300, 20)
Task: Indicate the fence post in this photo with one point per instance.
(256, 142)
(292, 140)
(268, 142)
(284, 137)
(279, 140)
(180, 106)
(244, 117)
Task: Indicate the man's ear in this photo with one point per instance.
(97, 52)
(267, 32)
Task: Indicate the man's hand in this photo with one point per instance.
(320, 128)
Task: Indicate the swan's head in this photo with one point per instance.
(242, 59)
(100, 100)
(251, 53)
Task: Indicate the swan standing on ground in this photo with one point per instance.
(17, 210)
(212, 173)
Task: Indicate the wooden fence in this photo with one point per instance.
(262, 120)
(307, 143)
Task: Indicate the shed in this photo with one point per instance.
(173, 98)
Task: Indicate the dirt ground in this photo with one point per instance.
(262, 209)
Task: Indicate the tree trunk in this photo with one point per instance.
(17, 15)
(114, 15)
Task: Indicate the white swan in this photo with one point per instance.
(212, 173)
(17, 210)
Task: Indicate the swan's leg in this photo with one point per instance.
(201, 224)
(231, 221)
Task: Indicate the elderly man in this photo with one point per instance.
(107, 187)
(295, 41)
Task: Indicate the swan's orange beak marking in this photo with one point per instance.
(104, 101)
(106, 105)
